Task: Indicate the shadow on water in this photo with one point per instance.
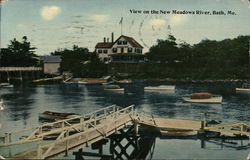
(19, 103)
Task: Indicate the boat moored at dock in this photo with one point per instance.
(51, 116)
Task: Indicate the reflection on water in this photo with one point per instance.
(23, 104)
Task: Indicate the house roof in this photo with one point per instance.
(104, 45)
(131, 40)
(51, 59)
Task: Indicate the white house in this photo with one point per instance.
(123, 49)
(51, 64)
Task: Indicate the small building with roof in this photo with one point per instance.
(124, 49)
(51, 64)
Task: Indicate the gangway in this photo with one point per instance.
(80, 131)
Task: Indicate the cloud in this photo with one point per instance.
(100, 17)
(157, 22)
(50, 12)
(176, 20)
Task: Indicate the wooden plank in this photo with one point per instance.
(168, 123)
(90, 136)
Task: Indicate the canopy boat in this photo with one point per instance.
(203, 98)
(244, 89)
(161, 88)
(113, 88)
(48, 115)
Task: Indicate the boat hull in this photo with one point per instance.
(243, 90)
(160, 88)
(208, 100)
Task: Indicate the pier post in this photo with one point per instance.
(136, 128)
(21, 77)
(8, 77)
(6, 138)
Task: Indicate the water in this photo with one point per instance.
(23, 104)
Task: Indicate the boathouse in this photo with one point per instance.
(51, 64)
(124, 49)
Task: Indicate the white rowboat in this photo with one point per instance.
(162, 88)
(214, 99)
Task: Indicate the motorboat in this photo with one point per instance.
(160, 88)
(51, 116)
(6, 85)
(244, 89)
(203, 98)
(113, 88)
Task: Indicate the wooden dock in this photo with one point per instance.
(99, 125)
(81, 131)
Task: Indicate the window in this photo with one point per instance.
(119, 42)
(114, 50)
(99, 51)
(105, 51)
(130, 50)
(122, 50)
(125, 42)
(138, 50)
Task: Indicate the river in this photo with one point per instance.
(24, 103)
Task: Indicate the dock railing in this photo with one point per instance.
(78, 125)
(145, 117)
(54, 127)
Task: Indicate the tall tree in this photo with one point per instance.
(19, 54)
(166, 51)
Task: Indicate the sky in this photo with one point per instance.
(54, 24)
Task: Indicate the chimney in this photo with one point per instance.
(104, 39)
(112, 37)
(107, 39)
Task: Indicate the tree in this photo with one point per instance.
(80, 62)
(19, 54)
(166, 51)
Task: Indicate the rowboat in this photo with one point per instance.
(92, 81)
(48, 115)
(113, 88)
(160, 88)
(125, 81)
(6, 85)
(179, 133)
(245, 89)
(203, 98)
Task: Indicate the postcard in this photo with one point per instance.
(131, 79)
